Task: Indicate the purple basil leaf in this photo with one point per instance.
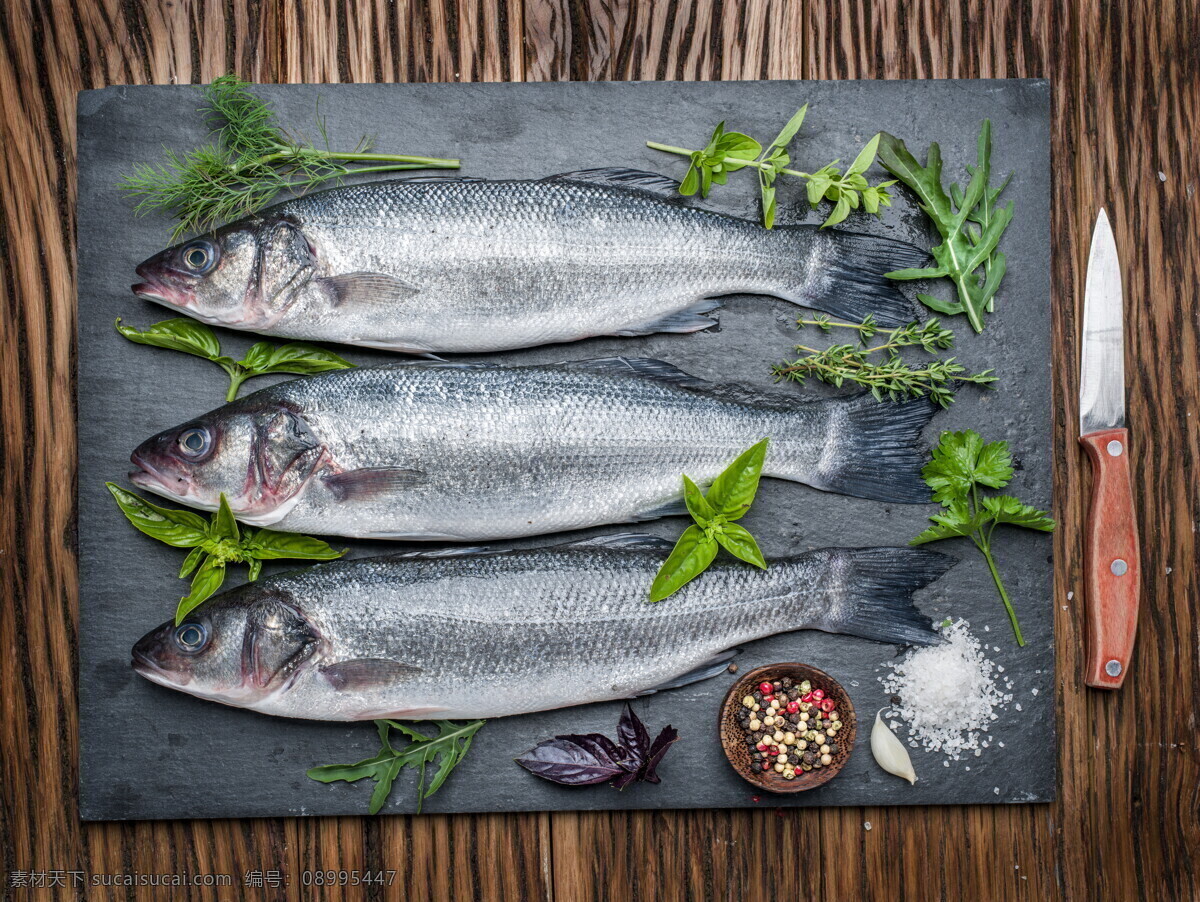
(625, 779)
(662, 742)
(631, 733)
(565, 762)
(605, 750)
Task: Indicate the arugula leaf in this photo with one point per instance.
(962, 465)
(214, 543)
(446, 751)
(965, 249)
(728, 499)
(197, 339)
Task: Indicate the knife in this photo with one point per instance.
(1111, 560)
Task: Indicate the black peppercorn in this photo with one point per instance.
(787, 682)
(808, 757)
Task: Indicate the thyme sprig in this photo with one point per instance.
(251, 160)
(891, 378)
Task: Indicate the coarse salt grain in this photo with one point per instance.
(947, 693)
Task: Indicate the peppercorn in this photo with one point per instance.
(832, 748)
(793, 758)
(787, 682)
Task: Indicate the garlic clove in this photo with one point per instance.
(889, 752)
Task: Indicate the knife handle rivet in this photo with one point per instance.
(1114, 448)
(1113, 668)
(1119, 567)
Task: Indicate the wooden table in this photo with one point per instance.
(1126, 85)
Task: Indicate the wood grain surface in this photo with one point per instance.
(1126, 84)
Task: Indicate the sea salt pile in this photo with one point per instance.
(947, 694)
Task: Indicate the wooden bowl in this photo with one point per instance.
(733, 736)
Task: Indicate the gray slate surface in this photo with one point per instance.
(148, 752)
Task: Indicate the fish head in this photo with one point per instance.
(244, 276)
(238, 648)
(259, 452)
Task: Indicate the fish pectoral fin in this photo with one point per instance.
(366, 673)
(367, 288)
(371, 482)
(710, 668)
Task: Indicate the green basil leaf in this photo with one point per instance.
(691, 182)
(180, 334)
(737, 541)
(224, 524)
(697, 505)
(255, 567)
(295, 357)
(191, 562)
(206, 581)
(179, 528)
(268, 544)
(691, 556)
(733, 491)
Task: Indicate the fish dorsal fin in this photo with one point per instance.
(625, 541)
(427, 179)
(628, 179)
(643, 367)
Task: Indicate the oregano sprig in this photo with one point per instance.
(728, 152)
(714, 513)
(880, 368)
(214, 542)
(197, 339)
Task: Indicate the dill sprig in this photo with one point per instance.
(250, 160)
(891, 378)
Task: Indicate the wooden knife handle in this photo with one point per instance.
(1113, 567)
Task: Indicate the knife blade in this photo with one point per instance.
(1111, 559)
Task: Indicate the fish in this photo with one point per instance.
(420, 451)
(481, 633)
(433, 265)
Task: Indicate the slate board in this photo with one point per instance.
(148, 752)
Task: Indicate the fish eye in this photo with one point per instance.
(199, 256)
(195, 442)
(191, 637)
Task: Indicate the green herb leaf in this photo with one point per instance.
(784, 138)
(207, 580)
(267, 544)
(446, 751)
(294, 357)
(964, 249)
(960, 466)
(865, 158)
(179, 528)
(179, 334)
(736, 539)
(692, 554)
(702, 512)
(224, 526)
(251, 160)
(191, 562)
(733, 491)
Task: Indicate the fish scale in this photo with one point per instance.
(493, 633)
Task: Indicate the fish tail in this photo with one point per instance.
(846, 277)
(873, 450)
(876, 589)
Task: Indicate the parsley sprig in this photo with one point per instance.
(728, 152)
(446, 749)
(728, 499)
(197, 339)
(251, 159)
(891, 378)
(214, 543)
(962, 466)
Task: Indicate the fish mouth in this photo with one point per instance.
(146, 476)
(155, 287)
(146, 666)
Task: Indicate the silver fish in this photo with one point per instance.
(477, 633)
(423, 451)
(430, 265)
